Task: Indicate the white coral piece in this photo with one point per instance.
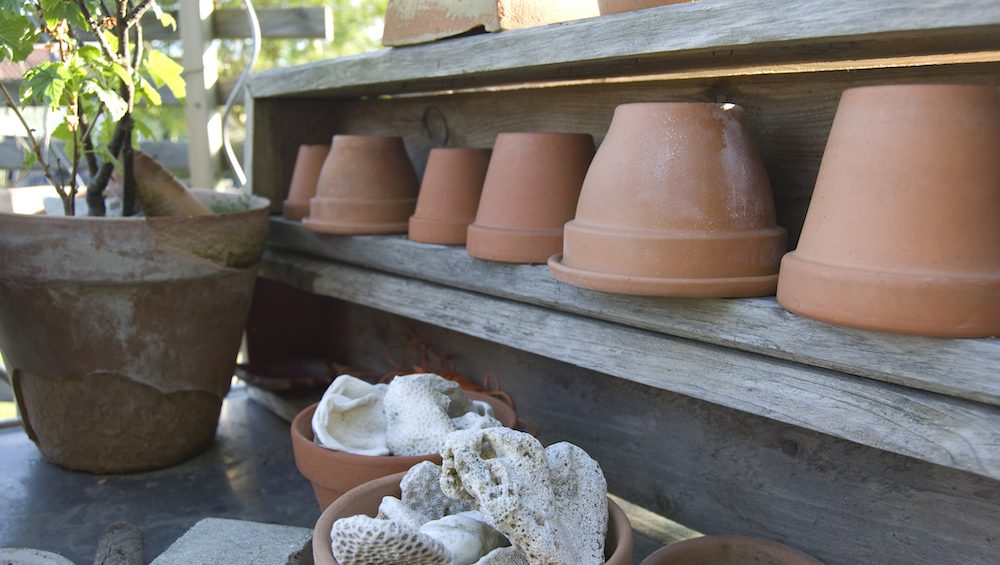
(350, 417)
(504, 556)
(363, 540)
(536, 497)
(419, 411)
(421, 491)
(403, 514)
(466, 536)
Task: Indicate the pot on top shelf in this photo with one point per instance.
(332, 473)
(367, 186)
(676, 203)
(530, 192)
(728, 550)
(901, 233)
(449, 195)
(366, 498)
(305, 176)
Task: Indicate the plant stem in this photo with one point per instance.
(35, 147)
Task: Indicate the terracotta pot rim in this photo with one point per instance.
(741, 287)
(919, 86)
(340, 200)
(556, 134)
(783, 552)
(655, 234)
(501, 231)
(426, 220)
(424, 230)
(390, 484)
(928, 278)
(354, 228)
(372, 136)
(295, 209)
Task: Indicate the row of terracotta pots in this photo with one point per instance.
(717, 550)
(899, 235)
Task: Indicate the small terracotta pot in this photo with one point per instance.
(332, 473)
(616, 6)
(367, 186)
(530, 192)
(676, 203)
(726, 550)
(449, 195)
(305, 176)
(901, 233)
(366, 498)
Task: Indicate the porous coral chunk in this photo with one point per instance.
(550, 503)
(421, 491)
(363, 540)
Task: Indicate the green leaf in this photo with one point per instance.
(45, 83)
(17, 36)
(150, 92)
(55, 10)
(90, 53)
(165, 71)
(29, 159)
(113, 102)
(62, 133)
(165, 19)
(142, 127)
(122, 74)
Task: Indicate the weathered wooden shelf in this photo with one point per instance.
(687, 346)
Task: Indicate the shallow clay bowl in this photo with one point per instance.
(332, 472)
(727, 550)
(366, 498)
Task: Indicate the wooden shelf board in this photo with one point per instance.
(709, 34)
(965, 368)
(947, 431)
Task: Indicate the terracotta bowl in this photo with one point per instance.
(449, 195)
(367, 186)
(530, 192)
(332, 473)
(727, 550)
(676, 203)
(901, 233)
(366, 498)
(616, 6)
(305, 176)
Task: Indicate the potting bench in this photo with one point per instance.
(725, 415)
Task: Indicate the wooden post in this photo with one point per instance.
(203, 118)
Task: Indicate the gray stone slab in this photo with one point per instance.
(221, 540)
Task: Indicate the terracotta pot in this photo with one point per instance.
(122, 333)
(530, 192)
(727, 550)
(449, 195)
(676, 203)
(901, 233)
(366, 498)
(367, 186)
(332, 473)
(305, 176)
(616, 6)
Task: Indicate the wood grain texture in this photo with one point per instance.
(942, 430)
(715, 469)
(964, 368)
(704, 34)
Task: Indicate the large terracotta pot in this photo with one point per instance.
(332, 473)
(366, 498)
(676, 203)
(122, 333)
(305, 176)
(530, 192)
(449, 195)
(901, 233)
(728, 550)
(367, 186)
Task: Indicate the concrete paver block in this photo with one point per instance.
(220, 540)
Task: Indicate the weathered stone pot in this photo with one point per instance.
(366, 498)
(122, 333)
(728, 550)
(332, 472)
(901, 233)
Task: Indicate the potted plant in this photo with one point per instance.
(120, 333)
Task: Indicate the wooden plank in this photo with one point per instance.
(965, 368)
(705, 34)
(204, 121)
(789, 116)
(941, 430)
(312, 22)
(715, 469)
